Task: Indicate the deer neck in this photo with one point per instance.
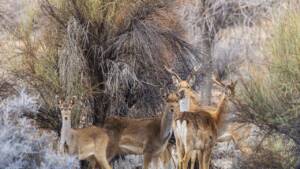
(166, 125)
(221, 109)
(66, 124)
(66, 131)
(222, 104)
(184, 104)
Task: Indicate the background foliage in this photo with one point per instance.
(271, 99)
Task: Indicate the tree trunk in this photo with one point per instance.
(207, 59)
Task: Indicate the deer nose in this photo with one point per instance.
(172, 110)
(66, 118)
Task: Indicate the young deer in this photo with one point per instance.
(85, 142)
(147, 136)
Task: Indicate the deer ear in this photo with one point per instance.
(72, 101)
(57, 99)
(175, 80)
(192, 80)
(163, 92)
(60, 102)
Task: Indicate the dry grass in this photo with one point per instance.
(119, 54)
(110, 54)
(270, 100)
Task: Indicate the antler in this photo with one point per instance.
(217, 80)
(172, 72)
(194, 71)
(231, 86)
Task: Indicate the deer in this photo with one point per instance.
(90, 142)
(193, 99)
(235, 132)
(195, 134)
(145, 136)
(190, 102)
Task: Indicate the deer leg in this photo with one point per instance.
(199, 155)
(102, 161)
(147, 160)
(101, 158)
(186, 159)
(95, 164)
(179, 152)
(165, 157)
(205, 159)
(193, 159)
(156, 163)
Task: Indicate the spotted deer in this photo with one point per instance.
(85, 142)
(145, 136)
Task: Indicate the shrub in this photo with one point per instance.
(270, 99)
(110, 52)
(22, 144)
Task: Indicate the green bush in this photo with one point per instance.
(271, 98)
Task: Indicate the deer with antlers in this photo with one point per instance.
(236, 132)
(190, 103)
(85, 142)
(146, 136)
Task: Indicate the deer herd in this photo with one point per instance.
(195, 127)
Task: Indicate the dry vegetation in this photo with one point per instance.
(111, 54)
(270, 100)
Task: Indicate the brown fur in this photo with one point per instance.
(201, 137)
(217, 114)
(201, 124)
(142, 136)
(198, 120)
(86, 142)
(166, 156)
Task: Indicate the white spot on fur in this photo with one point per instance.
(184, 104)
(181, 130)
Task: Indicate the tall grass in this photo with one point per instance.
(271, 97)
